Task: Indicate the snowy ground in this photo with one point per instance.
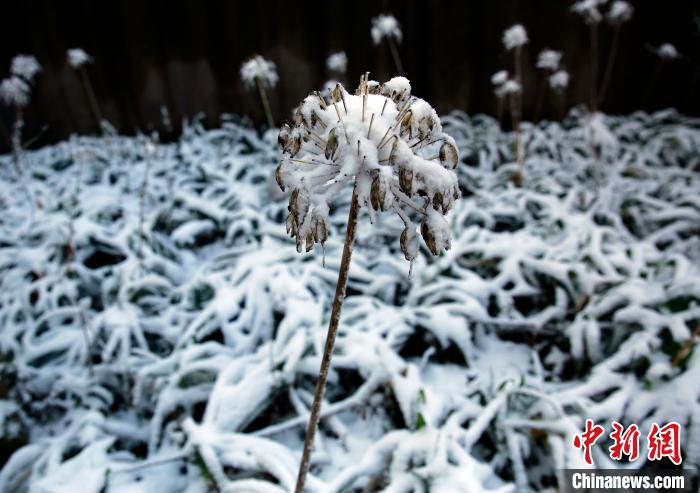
(179, 353)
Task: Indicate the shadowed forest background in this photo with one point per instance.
(186, 56)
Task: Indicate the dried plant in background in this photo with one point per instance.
(78, 59)
(665, 54)
(261, 74)
(337, 63)
(590, 12)
(387, 27)
(390, 148)
(558, 82)
(15, 91)
(619, 13)
(514, 38)
(549, 61)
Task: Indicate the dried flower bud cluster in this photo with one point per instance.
(15, 90)
(389, 143)
(589, 10)
(259, 69)
(385, 26)
(549, 60)
(559, 80)
(503, 85)
(25, 66)
(619, 12)
(514, 37)
(667, 52)
(337, 62)
(77, 57)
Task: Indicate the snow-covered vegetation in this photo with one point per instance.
(160, 332)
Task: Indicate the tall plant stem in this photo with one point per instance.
(92, 100)
(330, 342)
(265, 103)
(609, 66)
(17, 140)
(515, 114)
(540, 101)
(594, 68)
(395, 54)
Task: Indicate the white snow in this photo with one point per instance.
(77, 57)
(385, 26)
(549, 60)
(337, 62)
(514, 37)
(25, 66)
(258, 68)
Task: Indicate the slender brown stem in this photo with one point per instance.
(330, 342)
(92, 100)
(265, 103)
(594, 67)
(395, 55)
(17, 140)
(609, 66)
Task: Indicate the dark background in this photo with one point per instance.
(186, 55)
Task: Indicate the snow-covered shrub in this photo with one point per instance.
(554, 304)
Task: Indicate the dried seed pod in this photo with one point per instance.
(332, 144)
(285, 133)
(279, 177)
(438, 202)
(320, 230)
(406, 179)
(448, 155)
(337, 93)
(409, 244)
(378, 192)
(293, 144)
(373, 87)
(406, 123)
(298, 117)
(292, 229)
(298, 205)
(309, 241)
(428, 235)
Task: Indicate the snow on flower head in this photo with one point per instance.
(77, 58)
(499, 78)
(389, 143)
(549, 60)
(385, 26)
(589, 10)
(511, 87)
(559, 80)
(25, 66)
(619, 13)
(514, 37)
(667, 52)
(258, 68)
(14, 91)
(337, 62)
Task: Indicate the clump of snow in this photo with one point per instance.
(14, 91)
(511, 86)
(259, 69)
(385, 26)
(499, 78)
(514, 37)
(337, 62)
(559, 80)
(589, 10)
(620, 12)
(77, 57)
(25, 66)
(667, 52)
(549, 60)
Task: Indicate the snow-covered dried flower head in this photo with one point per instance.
(77, 57)
(511, 86)
(667, 52)
(258, 68)
(514, 37)
(619, 13)
(559, 80)
(549, 60)
(589, 10)
(389, 143)
(14, 91)
(25, 66)
(385, 26)
(337, 62)
(498, 79)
